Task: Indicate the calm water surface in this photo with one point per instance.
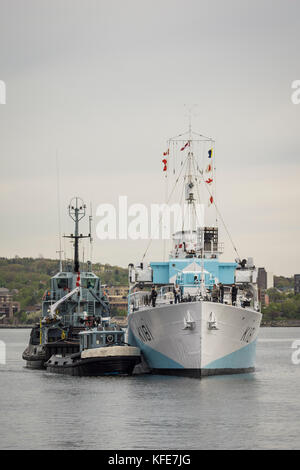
(39, 410)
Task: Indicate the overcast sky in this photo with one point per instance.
(103, 83)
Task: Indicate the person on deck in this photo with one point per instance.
(221, 290)
(176, 292)
(153, 296)
(215, 293)
(234, 291)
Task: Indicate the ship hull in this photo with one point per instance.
(173, 346)
(110, 360)
(37, 364)
(94, 367)
(37, 355)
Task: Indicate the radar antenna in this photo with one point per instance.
(77, 210)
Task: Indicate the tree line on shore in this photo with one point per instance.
(28, 278)
(284, 305)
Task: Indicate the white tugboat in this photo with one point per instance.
(202, 315)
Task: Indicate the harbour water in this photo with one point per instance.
(39, 410)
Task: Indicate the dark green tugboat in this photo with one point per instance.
(74, 303)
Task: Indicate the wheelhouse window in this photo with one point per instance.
(62, 283)
(89, 283)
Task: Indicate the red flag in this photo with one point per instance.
(186, 145)
(208, 169)
(166, 153)
(165, 162)
(211, 199)
(210, 180)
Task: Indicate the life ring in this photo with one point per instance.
(109, 338)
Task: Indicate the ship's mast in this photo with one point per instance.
(195, 146)
(190, 180)
(188, 175)
(77, 210)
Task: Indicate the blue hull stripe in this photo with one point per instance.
(155, 359)
(241, 359)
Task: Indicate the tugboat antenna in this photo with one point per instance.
(60, 251)
(77, 212)
(90, 230)
(60, 259)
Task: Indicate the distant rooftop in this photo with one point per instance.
(3, 290)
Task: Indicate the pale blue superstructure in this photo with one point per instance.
(173, 271)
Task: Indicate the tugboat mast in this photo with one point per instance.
(77, 210)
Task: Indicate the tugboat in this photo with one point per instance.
(102, 352)
(202, 316)
(75, 302)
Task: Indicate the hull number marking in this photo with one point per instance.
(247, 334)
(145, 333)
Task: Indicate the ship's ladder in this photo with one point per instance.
(91, 308)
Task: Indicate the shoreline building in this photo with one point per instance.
(296, 284)
(265, 281)
(8, 306)
(117, 296)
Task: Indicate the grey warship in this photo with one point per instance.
(76, 304)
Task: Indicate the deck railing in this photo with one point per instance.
(165, 296)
